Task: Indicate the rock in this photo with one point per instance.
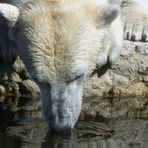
(137, 89)
(2, 90)
(12, 88)
(15, 77)
(29, 88)
(128, 76)
(20, 68)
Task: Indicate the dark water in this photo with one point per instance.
(132, 133)
(36, 135)
(120, 131)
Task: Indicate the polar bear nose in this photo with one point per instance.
(61, 104)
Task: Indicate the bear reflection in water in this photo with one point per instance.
(127, 134)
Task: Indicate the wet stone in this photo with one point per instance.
(2, 90)
(15, 77)
(89, 130)
(29, 88)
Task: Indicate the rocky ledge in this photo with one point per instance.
(15, 81)
(127, 77)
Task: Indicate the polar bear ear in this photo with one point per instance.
(10, 13)
(109, 14)
(117, 2)
(105, 15)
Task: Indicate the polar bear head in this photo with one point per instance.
(59, 42)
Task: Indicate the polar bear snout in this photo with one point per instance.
(61, 104)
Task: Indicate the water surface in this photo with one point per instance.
(108, 124)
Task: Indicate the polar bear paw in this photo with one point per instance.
(136, 30)
(135, 18)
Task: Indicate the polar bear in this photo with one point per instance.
(61, 42)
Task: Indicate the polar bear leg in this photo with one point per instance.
(135, 18)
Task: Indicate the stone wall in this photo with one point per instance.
(127, 77)
(15, 80)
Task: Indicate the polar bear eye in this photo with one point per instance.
(78, 78)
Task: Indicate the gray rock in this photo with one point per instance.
(15, 77)
(29, 88)
(127, 77)
(2, 90)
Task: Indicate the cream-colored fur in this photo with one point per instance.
(72, 31)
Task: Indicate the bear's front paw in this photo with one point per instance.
(136, 30)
